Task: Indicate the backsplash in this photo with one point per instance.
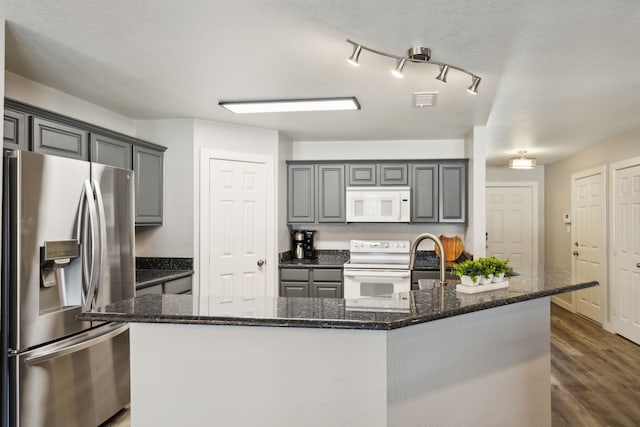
(157, 263)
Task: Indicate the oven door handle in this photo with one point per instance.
(372, 273)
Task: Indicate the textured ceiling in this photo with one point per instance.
(556, 76)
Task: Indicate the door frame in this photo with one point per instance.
(201, 266)
(613, 169)
(534, 212)
(602, 170)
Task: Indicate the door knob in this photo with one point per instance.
(575, 244)
(638, 265)
(261, 262)
(575, 253)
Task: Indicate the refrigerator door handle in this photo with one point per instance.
(93, 226)
(102, 238)
(77, 344)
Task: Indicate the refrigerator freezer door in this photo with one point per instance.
(80, 381)
(115, 199)
(44, 196)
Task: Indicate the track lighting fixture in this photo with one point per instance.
(415, 54)
(522, 162)
(397, 72)
(355, 55)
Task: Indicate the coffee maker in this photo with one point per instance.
(303, 247)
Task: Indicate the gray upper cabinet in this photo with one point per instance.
(301, 191)
(453, 192)
(424, 192)
(148, 167)
(393, 174)
(50, 137)
(362, 174)
(15, 130)
(110, 151)
(331, 193)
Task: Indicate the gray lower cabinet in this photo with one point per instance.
(110, 151)
(424, 192)
(15, 130)
(177, 286)
(149, 175)
(428, 274)
(55, 138)
(301, 190)
(331, 193)
(311, 282)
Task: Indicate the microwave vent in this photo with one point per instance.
(424, 99)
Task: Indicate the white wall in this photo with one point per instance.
(285, 152)
(2, 90)
(506, 174)
(175, 237)
(39, 95)
(475, 147)
(338, 236)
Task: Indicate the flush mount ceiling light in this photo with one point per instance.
(522, 162)
(291, 105)
(417, 54)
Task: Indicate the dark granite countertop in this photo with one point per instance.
(412, 307)
(325, 258)
(151, 271)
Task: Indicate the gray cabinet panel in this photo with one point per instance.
(327, 274)
(453, 192)
(110, 151)
(15, 130)
(294, 274)
(148, 167)
(326, 290)
(362, 174)
(301, 187)
(424, 192)
(54, 138)
(331, 193)
(394, 174)
(294, 289)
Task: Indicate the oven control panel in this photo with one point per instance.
(381, 246)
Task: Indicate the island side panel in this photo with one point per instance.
(195, 375)
(487, 368)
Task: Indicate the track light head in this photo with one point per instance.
(442, 75)
(397, 72)
(473, 88)
(355, 55)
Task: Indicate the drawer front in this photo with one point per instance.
(294, 274)
(327, 275)
(178, 286)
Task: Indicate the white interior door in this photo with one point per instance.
(626, 252)
(234, 226)
(589, 242)
(511, 226)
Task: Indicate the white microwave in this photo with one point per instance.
(378, 204)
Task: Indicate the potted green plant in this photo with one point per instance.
(487, 270)
(499, 268)
(469, 272)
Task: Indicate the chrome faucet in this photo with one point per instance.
(414, 249)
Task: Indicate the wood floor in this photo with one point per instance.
(595, 375)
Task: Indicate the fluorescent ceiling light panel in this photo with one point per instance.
(290, 105)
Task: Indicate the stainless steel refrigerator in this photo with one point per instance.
(68, 245)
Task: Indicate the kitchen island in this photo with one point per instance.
(430, 357)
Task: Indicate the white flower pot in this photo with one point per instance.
(469, 281)
(485, 280)
(498, 277)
